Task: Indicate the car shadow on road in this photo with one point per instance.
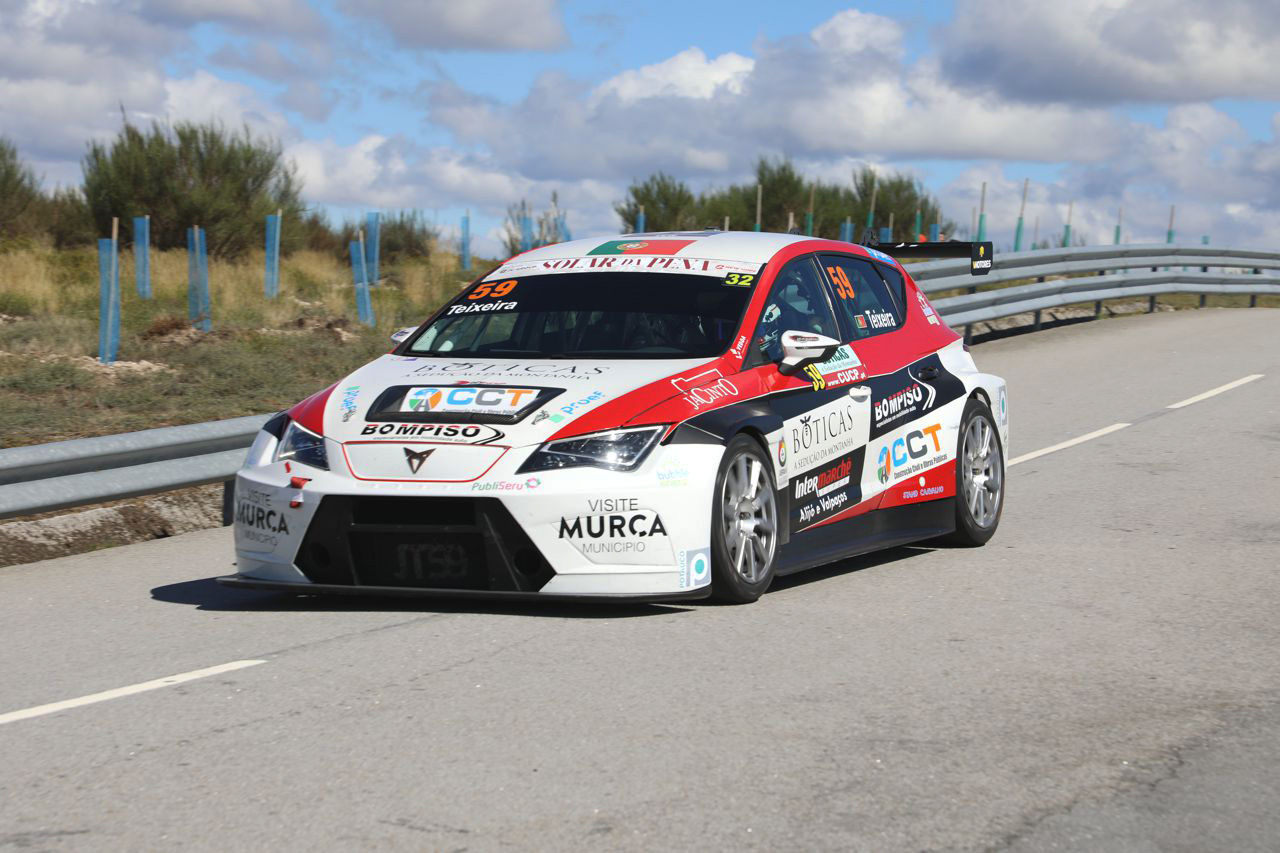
(208, 594)
(849, 566)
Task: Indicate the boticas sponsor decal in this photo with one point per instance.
(617, 530)
(823, 433)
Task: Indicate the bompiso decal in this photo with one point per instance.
(416, 458)
(901, 397)
(447, 433)
(467, 399)
(695, 568)
(348, 404)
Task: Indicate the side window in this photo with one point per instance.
(797, 302)
(897, 287)
(862, 298)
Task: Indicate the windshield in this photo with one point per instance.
(592, 315)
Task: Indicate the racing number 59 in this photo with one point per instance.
(844, 287)
(496, 291)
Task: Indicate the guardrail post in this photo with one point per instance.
(1097, 309)
(1037, 319)
(1253, 300)
(968, 333)
(1203, 296)
(1151, 303)
(228, 502)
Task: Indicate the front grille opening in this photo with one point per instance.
(529, 561)
(417, 511)
(458, 543)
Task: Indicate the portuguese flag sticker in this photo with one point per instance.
(640, 247)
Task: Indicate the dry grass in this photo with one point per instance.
(262, 355)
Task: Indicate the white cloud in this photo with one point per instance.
(688, 74)
(1109, 51)
(493, 25)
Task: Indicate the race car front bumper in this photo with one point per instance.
(576, 533)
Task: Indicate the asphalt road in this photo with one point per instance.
(1104, 675)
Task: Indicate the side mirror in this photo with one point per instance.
(801, 349)
(401, 335)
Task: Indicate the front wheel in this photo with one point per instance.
(979, 477)
(744, 535)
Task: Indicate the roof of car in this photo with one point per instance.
(747, 246)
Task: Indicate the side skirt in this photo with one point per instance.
(872, 531)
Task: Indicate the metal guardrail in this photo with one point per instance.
(46, 477)
(64, 474)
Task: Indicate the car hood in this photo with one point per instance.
(524, 401)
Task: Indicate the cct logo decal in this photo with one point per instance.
(467, 399)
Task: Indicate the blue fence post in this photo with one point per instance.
(885, 234)
(193, 278)
(565, 236)
(108, 300)
(373, 221)
(935, 231)
(465, 249)
(640, 220)
(526, 232)
(359, 273)
(206, 302)
(271, 282)
(142, 255)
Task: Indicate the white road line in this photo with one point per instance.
(1214, 392)
(1036, 454)
(169, 681)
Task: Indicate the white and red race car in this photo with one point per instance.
(657, 416)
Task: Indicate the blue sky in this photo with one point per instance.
(445, 106)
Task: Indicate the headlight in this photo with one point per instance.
(302, 445)
(616, 450)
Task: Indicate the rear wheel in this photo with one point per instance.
(744, 536)
(979, 476)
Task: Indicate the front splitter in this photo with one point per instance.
(240, 582)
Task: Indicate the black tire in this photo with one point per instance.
(742, 570)
(975, 474)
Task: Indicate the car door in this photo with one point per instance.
(907, 388)
(821, 451)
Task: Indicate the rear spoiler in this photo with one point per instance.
(979, 254)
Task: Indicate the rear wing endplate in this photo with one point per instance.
(979, 254)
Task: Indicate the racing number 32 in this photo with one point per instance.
(495, 290)
(844, 287)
